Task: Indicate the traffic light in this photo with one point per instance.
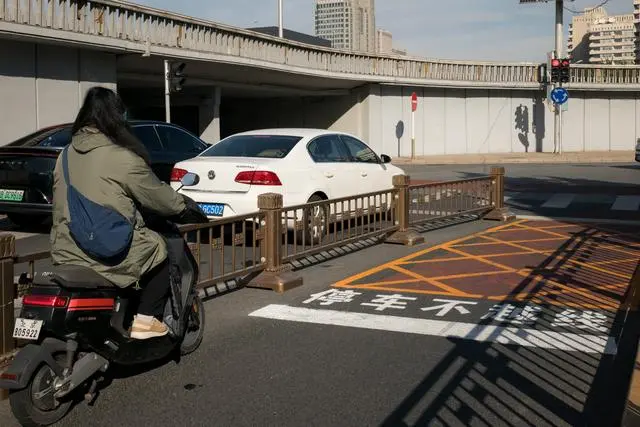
(565, 70)
(555, 70)
(543, 74)
(176, 76)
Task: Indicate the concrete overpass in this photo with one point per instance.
(52, 50)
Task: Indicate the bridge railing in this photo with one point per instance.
(260, 249)
(126, 26)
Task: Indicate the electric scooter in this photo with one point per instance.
(78, 323)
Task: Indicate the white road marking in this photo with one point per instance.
(559, 201)
(626, 203)
(565, 341)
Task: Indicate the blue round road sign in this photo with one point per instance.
(559, 95)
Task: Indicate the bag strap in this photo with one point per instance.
(65, 165)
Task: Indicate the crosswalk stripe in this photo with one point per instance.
(559, 201)
(626, 203)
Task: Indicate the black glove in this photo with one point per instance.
(192, 212)
(190, 203)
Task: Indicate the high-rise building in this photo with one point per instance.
(636, 23)
(597, 38)
(578, 42)
(384, 41)
(348, 24)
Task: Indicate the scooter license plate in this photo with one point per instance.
(27, 329)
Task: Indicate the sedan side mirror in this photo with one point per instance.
(190, 179)
(385, 158)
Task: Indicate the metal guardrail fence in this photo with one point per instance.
(257, 249)
(120, 25)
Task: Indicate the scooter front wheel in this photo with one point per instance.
(195, 327)
(34, 405)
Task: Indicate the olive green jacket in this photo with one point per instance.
(113, 177)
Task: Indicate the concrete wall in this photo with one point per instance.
(457, 121)
(341, 113)
(42, 85)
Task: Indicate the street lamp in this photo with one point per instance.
(280, 19)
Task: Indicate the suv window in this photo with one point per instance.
(267, 146)
(359, 151)
(60, 138)
(178, 141)
(327, 149)
(147, 135)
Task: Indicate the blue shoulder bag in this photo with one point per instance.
(102, 233)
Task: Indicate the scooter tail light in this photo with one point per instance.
(8, 376)
(45, 301)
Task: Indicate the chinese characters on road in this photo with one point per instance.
(440, 307)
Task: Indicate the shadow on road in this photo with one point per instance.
(481, 383)
(6, 226)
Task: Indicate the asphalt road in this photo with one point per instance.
(258, 367)
(528, 187)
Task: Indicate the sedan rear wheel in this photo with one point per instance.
(315, 222)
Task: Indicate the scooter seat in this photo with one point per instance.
(76, 276)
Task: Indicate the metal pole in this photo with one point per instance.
(413, 134)
(557, 143)
(167, 91)
(280, 19)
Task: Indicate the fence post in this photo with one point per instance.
(404, 235)
(275, 276)
(7, 296)
(499, 211)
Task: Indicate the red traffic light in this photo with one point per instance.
(565, 63)
(555, 62)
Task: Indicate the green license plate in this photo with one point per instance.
(11, 195)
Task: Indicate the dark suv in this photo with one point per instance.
(26, 165)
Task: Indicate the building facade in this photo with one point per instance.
(612, 40)
(597, 38)
(348, 24)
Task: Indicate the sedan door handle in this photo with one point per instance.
(328, 174)
(363, 174)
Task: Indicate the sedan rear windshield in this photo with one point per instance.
(265, 146)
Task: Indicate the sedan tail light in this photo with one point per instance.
(177, 174)
(258, 178)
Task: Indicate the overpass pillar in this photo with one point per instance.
(210, 116)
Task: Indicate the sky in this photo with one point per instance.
(492, 30)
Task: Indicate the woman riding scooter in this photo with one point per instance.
(107, 168)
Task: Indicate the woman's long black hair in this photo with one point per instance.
(104, 110)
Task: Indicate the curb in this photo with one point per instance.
(622, 157)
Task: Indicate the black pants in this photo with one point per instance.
(155, 291)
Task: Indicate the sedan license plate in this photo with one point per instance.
(27, 329)
(212, 209)
(11, 195)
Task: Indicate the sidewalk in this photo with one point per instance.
(504, 158)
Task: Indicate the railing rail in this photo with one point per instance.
(126, 26)
(257, 249)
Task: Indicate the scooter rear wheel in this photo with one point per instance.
(195, 327)
(34, 405)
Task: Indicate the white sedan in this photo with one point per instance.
(304, 165)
